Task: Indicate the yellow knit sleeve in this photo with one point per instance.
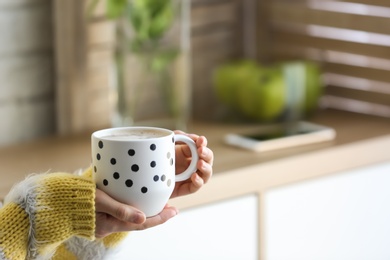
(52, 216)
(81, 248)
(46, 210)
(64, 207)
(14, 226)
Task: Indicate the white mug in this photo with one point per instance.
(136, 165)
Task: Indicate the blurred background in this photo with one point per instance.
(250, 64)
(55, 62)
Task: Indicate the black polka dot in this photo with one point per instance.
(129, 183)
(113, 161)
(153, 164)
(105, 182)
(156, 178)
(163, 178)
(173, 139)
(131, 152)
(100, 144)
(171, 161)
(98, 156)
(94, 168)
(135, 168)
(152, 147)
(144, 190)
(116, 175)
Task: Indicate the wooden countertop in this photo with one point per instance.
(73, 153)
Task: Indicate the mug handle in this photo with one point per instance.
(195, 158)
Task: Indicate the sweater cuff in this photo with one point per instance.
(69, 198)
(59, 206)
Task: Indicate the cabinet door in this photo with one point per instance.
(224, 230)
(339, 217)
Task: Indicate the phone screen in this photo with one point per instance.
(277, 134)
(281, 136)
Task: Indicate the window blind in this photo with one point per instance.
(350, 39)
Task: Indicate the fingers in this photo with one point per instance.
(205, 169)
(184, 148)
(206, 160)
(106, 224)
(206, 154)
(204, 166)
(166, 214)
(201, 143)
(198, 179)
(196, 183)
(201, 177)
(122, 212)
(113, 216)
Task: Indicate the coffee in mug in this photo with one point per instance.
(136, 165)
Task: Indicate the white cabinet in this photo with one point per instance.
(224, 230)
(338, 217)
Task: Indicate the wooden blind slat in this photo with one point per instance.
(355, 71)
(300, 13)
(205, 43)
(326, 56)
(384, 3)
(338, 68)
(358, 95)
(358, 83)
(283, 40)
(354, 105)
(350, 38)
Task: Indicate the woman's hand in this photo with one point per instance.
(183, 159)
(113, 216)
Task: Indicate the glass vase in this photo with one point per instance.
(152, 64)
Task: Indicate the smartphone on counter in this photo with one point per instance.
(281, 136)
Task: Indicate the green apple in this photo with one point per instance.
(245, 101)
(271, 97)
(263, 97)
(223, 82)
(229, 78)
(256, 91)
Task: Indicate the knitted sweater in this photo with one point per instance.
(52, 216)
